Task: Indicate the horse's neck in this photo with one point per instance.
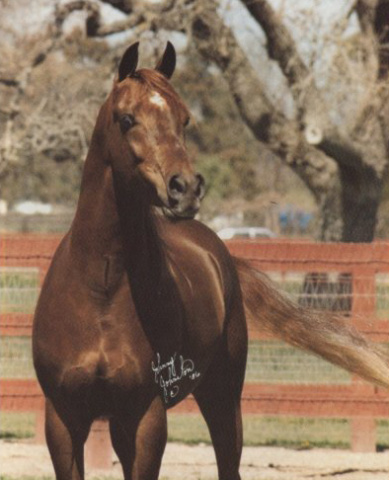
(154, 290)
(113, 218)
(142, 247)
(96, 230)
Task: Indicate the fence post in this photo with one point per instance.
(363, 434)
(364, 293)
(98, 450)
(363, 429)
(40, 416)
(40, 435)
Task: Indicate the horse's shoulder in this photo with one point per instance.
(195, 247)
(191, 232)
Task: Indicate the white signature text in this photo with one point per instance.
(169, 374)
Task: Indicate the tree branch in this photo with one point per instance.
(125, 6)
(216, 42)
(366, 9)
(96, 30)
(168, 15)
(62, 11)
(280, 44)
(282, 136)
(9, 82)
(311, 109)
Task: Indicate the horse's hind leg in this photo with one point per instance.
(66, 444)
(218, 397)
(224, 420)
(139, 440)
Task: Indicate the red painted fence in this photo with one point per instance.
(361, 263)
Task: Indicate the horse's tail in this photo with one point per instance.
(323, 333)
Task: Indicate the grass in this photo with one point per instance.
(19, 290)
(301, 433)
(19, 278)
(17, 425)
(292, 432)
(276, 362)
(29, 477)
(16, 357)
(382, 299)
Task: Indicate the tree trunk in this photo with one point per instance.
(361, 193)
(330, 218)
(348, 209)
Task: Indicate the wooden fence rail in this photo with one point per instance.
(361, 263)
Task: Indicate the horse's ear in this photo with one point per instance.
(167, 64)
(129, 61)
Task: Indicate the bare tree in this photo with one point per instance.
(340, 153)
(47, 111)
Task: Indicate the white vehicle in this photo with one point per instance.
(245, 232)
(29, 207)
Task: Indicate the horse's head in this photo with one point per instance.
(146, 138)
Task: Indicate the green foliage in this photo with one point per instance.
(226, 177)
(218, 176)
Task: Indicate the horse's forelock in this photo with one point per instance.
(155, 81)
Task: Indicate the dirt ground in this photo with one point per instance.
(198, 463)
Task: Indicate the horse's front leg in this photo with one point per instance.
(139, 441)
(65, 438)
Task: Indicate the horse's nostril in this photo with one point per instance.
(200, 189)
(177, 186)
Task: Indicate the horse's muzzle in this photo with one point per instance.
(185, 193)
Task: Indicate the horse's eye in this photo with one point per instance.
(187, 121)
(126, 122)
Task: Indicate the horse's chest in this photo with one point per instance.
(100, 366)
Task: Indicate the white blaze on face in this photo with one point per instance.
(156, 99)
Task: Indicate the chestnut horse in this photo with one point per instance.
(140, 309)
